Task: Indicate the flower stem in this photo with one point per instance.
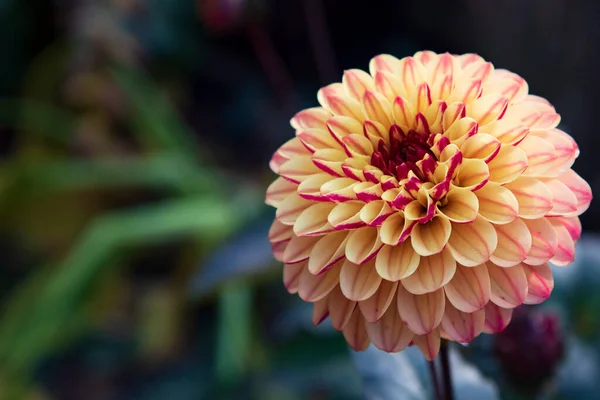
(448, 392)
(435, 380)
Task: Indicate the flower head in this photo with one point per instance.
(424, 200)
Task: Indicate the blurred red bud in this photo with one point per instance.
(221, 15)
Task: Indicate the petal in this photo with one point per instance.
(315, 117)
(327, 251)
(346, 215)
(543, 241)
(291, 276)
(310, 188)
(359, 282)
(432, 273)
(540, 155)
(394, 263)
(358, 145)
(290, 208)
(278, 249)
(509, 285)
(297, 169)
(579, 187)
(472, 174)
(375, 212)
(497, 204)
(320, 311)
(565, 249)
(540, 283)
(564, 201)
(422, 313)
(508, 165)
(429, 344)
(317, 138)
(472, 244)
(299, 248)
(334, 99)
(355, 332)
(496, 318)
(341, 126)
(573, 225)
(340, 308)
(462, 206)
(404, 115)
(356, 83)
(534, 197)
(481, 146)
(363, 245)
(395, 229)
(279, 232)
(377, 108)
(565, 149)
(508, 132)
(339, 190)
(431, 237)
(375, 306)
(469, 289)
(487, 108)
(315, 287)
(329, 161)
(313, 220)
(278, 191)
(389, 334)
(514, 243)
(460, 326)
(466, 90)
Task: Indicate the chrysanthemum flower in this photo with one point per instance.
(424, 200)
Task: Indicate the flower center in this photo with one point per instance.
(402, 153)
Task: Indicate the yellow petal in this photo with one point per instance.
(540, 283)
(339, 190)
(432, 273)
(280, 232)
(355, 332)
(278, 191)
(359, 282)
(298, 169)
(497, 204)
(565, 249)
(356, 83)
(441, 77)
(299, 248)
(363, 244)
(472, 174)
(462, 206)
(404, 114)
(340, 308)
(377, 108)
(388, 85)
(315, 117)
(317, 138)
(329, 161)
(487, 108)
(346, 215)
(543, 241)
(508, 131)
(422, 313)
(428, 344)
(358, 145)
(564, 201)
(291, 276)
(375, 212)
(310, 188)
(389, 334)
(540, 155)
(375, 306)
(328, 250)
(514, 243)
(509, 285)
(508, 165)
(481, 146)
(395, 229)
(313, 220)
(565, 149)
(431, 237)
(394, 263)
(580, 188)
(466, 91)
(469, 289)
(315, 287)
(341, 126)
(460, 326)
(507, 84)
(472, 244)
(334, 98)
(496, 318)
(290, 208)
(384, 62)
(534, 197)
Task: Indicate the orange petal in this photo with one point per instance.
(394, 263)
(565, 249)
(422, 313)
(534, 197)
(346, 215)
(299, 248)
(389, 334)
(375, 306)
(432, 273)
(497, 204)
(496, 318)
(469, 289)
(472, 244)
(359, 282)
(540, 283)
(580, 188)
(543, 241)
(460, 326)
(355, 332)
(431, 237)
(340, 308)
(291, 276)
(508, 165)
(328, 250)
(314, 287)
(313, 220)
(395, 229)
(514, 243)
(462, 206)
(509, 285)
(363, 244)
(278, 191)
(320, 311)
(428, 344)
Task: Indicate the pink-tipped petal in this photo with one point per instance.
(534, 197)
(299, 248)
(514, 243)
(422, 313)
(357, 82)
(313, 288)
(543, 241)
(363, 244)
(290, 208)
(540, 283)
(355, 332)
(540, 155)
(278, 191)
(460, 326)
(313, 220)
(508, 164)
(346, 215)
(432, 273)
(497, 204)
(580, 188)
(327, 251)
(487, 108)
(291, 276)
(509, 285)
(315, 117)
(564, 201)
(395, 229)
(462, 206)
(496, 318)
(473, 243)
(469, 289)
(565, 248)
(320, 311)
(375, 306)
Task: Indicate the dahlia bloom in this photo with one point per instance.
(424, 200)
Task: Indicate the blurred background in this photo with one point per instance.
(135, 137)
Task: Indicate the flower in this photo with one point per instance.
(424, 201)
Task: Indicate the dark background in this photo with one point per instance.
(135, 139)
